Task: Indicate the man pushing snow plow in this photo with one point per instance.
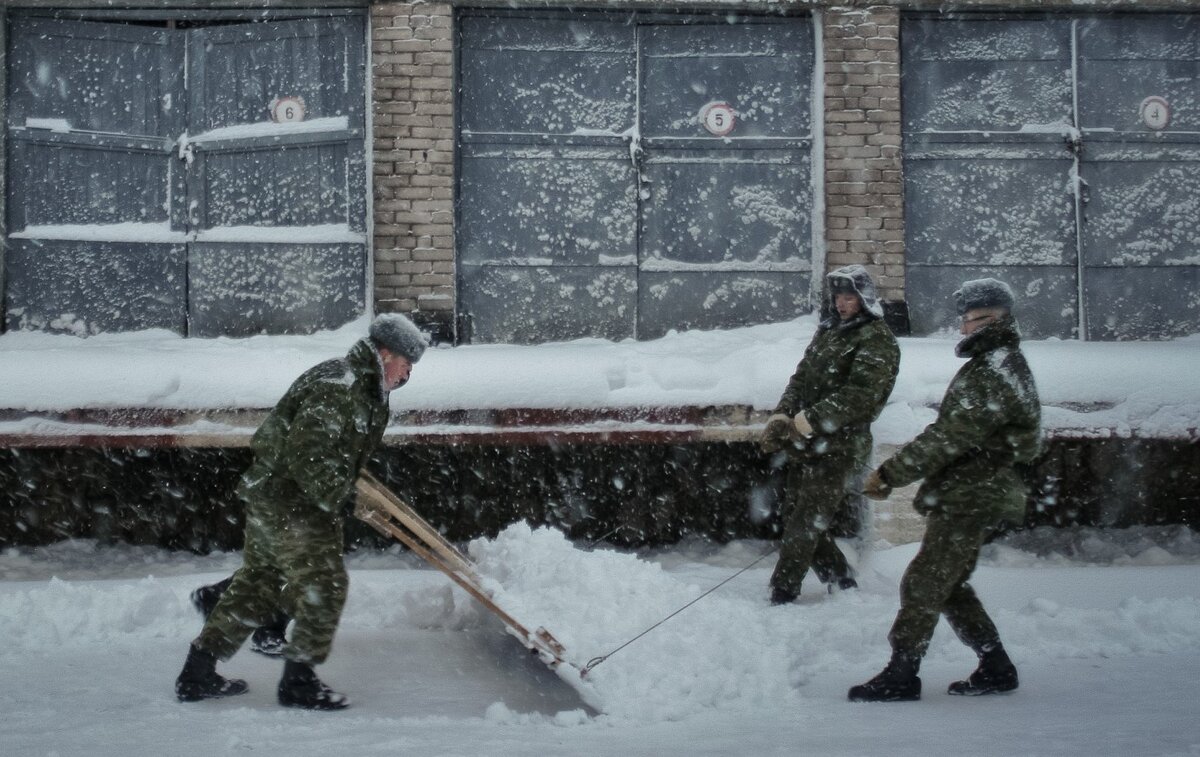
(309, 455)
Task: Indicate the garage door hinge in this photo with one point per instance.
(186, 151)
(1075, 144)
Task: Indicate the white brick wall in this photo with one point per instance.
(413, 92)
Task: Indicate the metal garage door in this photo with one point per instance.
(207, 180)
(621, 176)
(1061, 155)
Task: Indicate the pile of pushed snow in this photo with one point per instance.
(728, 650)
(62, 614)
(733, 651)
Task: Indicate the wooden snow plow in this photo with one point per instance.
(378, 507)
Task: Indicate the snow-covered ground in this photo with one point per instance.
(1121, 388)
(1105, 627)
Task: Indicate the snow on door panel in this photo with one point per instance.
(594, 201)
(272, 191)
(1140, 231)
(1029, 154)
(93, 112)
(122, 165)
(547, 228)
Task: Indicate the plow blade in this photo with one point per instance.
(379, 508)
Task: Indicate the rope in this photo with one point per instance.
(592, 663)
(592, 546)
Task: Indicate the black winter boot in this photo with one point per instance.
(995, 674)
(300, 687)
(270, 639)
(898, 682)
(199, 678)
(781, 596)
(206, 597)
(842, 584)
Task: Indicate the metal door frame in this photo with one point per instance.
(638, 19)
(197, 11)
(978, 143)
(1101, 151)
(760, 148)
(1077, 135)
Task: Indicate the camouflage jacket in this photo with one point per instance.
(990, 419)
(310, 448)
(841, 385)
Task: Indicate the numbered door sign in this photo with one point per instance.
(718, 118)
(1155, 112)
(286, 110)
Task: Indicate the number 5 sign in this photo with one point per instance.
(718, 118)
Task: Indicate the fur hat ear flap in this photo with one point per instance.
(854, 279)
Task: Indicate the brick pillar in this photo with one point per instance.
(413, 93)
(864, 200)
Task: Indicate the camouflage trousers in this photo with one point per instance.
(936, 583)
(291, 564)
(817, 493)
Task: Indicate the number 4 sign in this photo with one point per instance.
(1155, 112)
(718, 118)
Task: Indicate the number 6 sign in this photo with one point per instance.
(287, 109)
(718, 118)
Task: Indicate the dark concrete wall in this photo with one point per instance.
(632, 494)
(185, 498)
(1117, 482)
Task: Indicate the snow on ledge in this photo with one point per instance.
(153, 233)
(1143, 389)
(270, 129)
(331, 233)
(161, 233)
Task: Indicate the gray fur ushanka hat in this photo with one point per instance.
(983, 293)
(398, 335)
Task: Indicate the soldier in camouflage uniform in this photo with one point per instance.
(823, 420)
(990, 419)
(307, 455)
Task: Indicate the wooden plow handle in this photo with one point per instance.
(378, 497)
(379, 508)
